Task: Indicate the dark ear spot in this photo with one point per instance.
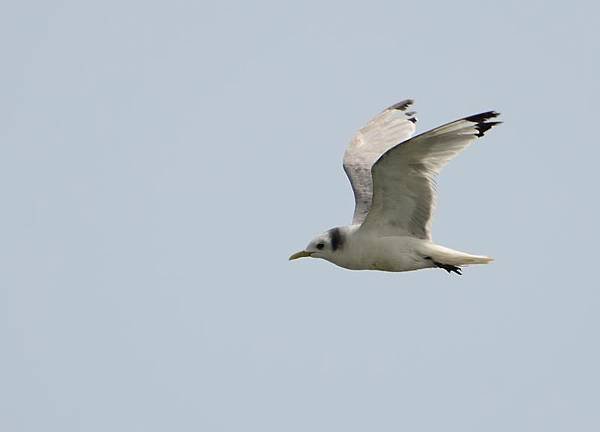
(337, 239)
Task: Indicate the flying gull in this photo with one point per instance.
(393, 179)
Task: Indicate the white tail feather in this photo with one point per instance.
(444, 255)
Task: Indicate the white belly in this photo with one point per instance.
(394, 254)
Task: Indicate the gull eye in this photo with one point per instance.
(320, 246)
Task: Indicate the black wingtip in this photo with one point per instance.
(402, 105)
(482, 128)
(483, 125)
(481, 117)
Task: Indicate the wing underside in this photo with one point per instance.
(403, 198)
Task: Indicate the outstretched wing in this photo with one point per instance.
(403, 177)
(392, 126)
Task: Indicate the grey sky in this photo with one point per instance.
(159, 161)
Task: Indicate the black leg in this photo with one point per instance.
(449, 268)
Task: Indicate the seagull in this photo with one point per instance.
(393, 179)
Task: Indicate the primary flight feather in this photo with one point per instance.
(392, 176)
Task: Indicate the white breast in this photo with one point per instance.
(365, 252)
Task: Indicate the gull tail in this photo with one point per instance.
(444, 255)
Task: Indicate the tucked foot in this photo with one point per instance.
(449, 268)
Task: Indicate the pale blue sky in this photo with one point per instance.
(159, 161)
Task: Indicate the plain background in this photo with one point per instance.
(159, 161)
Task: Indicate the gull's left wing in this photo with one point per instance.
(403, 177)
(395, 124)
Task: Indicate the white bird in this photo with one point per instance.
(392, 176)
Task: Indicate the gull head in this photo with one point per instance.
(324, 246)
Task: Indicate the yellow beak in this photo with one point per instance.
(301, 254)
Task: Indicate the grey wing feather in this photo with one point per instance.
(390, 127)
(403, 178)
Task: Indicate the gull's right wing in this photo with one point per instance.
(403, 177)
